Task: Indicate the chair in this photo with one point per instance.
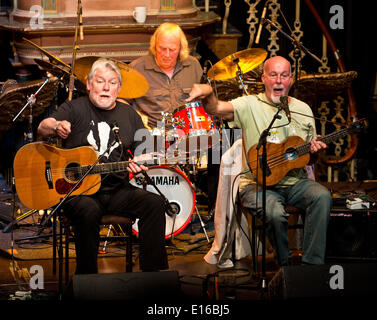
(105, 220)
(227, 247)
(294, 223)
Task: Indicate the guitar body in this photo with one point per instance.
(42, 178)
(281, 158)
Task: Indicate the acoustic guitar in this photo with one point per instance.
(292, 153)
(44, 173)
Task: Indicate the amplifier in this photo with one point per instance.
(352, 234)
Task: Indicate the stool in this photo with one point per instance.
(105, 220)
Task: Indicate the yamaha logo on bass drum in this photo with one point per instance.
(161, 180)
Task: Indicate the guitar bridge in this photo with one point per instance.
(48, 175)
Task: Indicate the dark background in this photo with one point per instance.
(356, 45)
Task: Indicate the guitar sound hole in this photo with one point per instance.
(73, 172)
(290, 153)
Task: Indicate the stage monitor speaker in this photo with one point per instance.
(146, 286)
(352, 234)
(324, 281)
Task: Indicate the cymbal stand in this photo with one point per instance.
(240, 75)
(75, 48)
(195, 174)
(30, 101)
(29, 136)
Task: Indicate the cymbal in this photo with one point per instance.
(61, 73)
(56, 70)
(227, 68)
(51, 57)
(15, 97)
(134, 84)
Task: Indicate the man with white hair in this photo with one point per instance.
(88, 121)
(170, 71)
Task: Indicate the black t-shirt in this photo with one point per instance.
(92, 126)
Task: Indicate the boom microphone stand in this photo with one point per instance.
(297, 45)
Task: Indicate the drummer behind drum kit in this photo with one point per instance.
(183, 134)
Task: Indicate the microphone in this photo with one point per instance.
(261, 22)
(285, 107)
(115, 130)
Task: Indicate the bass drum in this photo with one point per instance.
(175, 186)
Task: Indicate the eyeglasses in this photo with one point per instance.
(283, 76)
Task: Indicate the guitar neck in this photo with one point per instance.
(104, 168)
(305, 148)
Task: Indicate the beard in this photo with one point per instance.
(275, 99)
(104, 104)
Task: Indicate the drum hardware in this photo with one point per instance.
(248, 60)
(239, 76)
(30, 101)
(194, 177)
(202, 223)
(236, 65)
(196, 124)
(38, 92)
(53, 59)
(134, 84)
(61, 72)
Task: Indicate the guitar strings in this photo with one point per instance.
(275, 160)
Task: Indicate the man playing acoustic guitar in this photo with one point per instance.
(89, 121)
(253, 114)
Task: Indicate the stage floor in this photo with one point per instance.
(200, 283)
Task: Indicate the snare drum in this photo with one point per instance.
(175, 186)
(194, 123)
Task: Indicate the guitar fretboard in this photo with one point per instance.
(305, 148)
(103, 168)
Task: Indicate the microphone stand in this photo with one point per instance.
(170, 211)
(294, 41)
(53, 214)
(262, 143)
(77, 183)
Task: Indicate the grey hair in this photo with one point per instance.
(103, 63)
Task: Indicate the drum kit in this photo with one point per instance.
(186, 133)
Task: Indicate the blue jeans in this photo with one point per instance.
(308, 195)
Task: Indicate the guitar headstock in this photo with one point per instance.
(358, 125)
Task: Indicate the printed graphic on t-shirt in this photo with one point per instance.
(99, 137)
